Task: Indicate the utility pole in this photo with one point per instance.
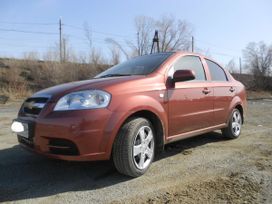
(155, 40)
(240, 65)
(60, 39)
(192, 43)
(64, 50)
(138, 43)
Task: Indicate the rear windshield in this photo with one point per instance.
(142, 65)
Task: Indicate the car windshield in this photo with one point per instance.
(142, 65)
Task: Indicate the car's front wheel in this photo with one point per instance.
(134, 147)
(234, 126)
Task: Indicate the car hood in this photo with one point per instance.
(58, 91)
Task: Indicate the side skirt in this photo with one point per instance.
(194, 133)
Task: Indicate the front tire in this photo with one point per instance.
(134, 147)
(233, 130)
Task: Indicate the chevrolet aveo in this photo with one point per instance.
(130, 111)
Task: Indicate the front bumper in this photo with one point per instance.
(79, 135)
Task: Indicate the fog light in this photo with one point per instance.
(17, 127)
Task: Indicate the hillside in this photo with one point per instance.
(20, 78)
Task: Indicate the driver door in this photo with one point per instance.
(190, 102)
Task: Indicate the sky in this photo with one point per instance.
(223, 28)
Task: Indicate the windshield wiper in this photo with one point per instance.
(114, 75)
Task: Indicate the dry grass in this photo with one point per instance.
(16, 91)
(259, 94)
(20, 78)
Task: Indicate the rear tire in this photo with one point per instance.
(134, 147)
(233, 130)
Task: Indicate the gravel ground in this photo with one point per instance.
(203, 169)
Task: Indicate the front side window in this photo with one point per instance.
(190, 62)
(217, 73)
(141, 65)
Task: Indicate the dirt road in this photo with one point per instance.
(204, 169)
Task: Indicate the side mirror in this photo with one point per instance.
(183, 75)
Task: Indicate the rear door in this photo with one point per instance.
(224, 91)
(191, 102)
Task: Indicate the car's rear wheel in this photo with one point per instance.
(234, 126)
(134, 147)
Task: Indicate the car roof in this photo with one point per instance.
(181, 52)
(178, 52)
(197, 54)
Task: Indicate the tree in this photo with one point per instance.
(88, 35)
(144, 32)
(118, 46)
(95, 55)
(115, 55)
(67, 52)
(145, 28)
(173, 35)
(231, 66)
(258, 57)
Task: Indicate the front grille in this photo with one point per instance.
(26, 141)
(62, 147)
(34, 106)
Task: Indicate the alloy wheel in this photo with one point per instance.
(236, 123)
(143, 147)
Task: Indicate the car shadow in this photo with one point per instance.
(24, 175)
(184, 146)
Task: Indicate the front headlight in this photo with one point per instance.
(89, 99)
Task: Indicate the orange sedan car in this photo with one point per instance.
(130, 111)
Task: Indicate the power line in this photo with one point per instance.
(84, 39)
(223, 54)
(96, 40)
(74, 37)
(215, 46)
(39, 32)
(28, 40)
(22, 43)
(27, 31)
(220, 48)
(26, 23)
(98, 32)
(25, 46)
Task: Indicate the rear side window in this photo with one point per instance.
(193, 63)
(217, 73)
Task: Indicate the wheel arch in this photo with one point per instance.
(240, 108)
(156, 123)
(236, 103)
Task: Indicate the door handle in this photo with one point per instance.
(206, 91)
(232, 89)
